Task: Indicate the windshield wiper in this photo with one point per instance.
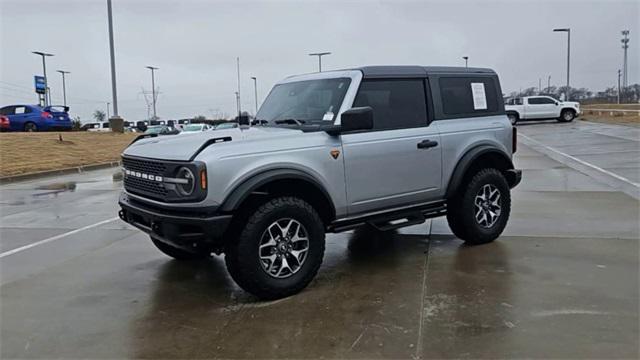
(290, 121)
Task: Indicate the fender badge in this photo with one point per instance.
(334, 153)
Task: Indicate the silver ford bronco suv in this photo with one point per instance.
(381, 146)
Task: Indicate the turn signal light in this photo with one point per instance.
(203, 179)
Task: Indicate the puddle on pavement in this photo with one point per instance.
(117, 176)
(54, 189)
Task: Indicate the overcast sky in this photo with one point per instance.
(195, 44)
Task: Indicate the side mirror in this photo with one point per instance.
(557, 103)
(243, 120)
(359, 118)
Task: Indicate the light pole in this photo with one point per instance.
(568, 31)
(64, 86)
(320, 55)
(466, 61)
(114, 92)
(108, 103)
(255, 88)
(153, 89)
(625, 46)
(47, 95)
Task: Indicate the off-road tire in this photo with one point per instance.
(177, 253)
(242, 255)
(567, 115)
(461, 208)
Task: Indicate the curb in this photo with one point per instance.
(47, 173)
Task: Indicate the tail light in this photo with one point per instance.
(514, 140)
(46, 115)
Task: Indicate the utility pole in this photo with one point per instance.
(112, 54)
(64, 86)
(320, 55)
(238, 92)
(548, 84)
(108, 103)
(255, 88)
(153, 89)
(625, 46)
(466, 61)
(47, 99)
(619, 74)
(539, 86)
(568, 31)
(238, 104)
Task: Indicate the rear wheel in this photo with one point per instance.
(479, 213)
(280, 249)
(177, 253)
(567, 115)
(513, 118)
(30, 127)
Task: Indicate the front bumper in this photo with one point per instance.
(186, 230)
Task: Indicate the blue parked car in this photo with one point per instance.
(37, 118)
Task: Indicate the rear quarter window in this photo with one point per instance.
(457, 96)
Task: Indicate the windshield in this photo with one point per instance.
(304, 102)
(153, 130)
(194, 127)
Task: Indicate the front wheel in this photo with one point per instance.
(479, 213)
(280, 249)
(513, 118)
(567, 115)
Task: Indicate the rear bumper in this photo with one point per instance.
(181, 229)
(514, 176)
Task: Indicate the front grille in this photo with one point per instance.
(145, 187)
(144, 166)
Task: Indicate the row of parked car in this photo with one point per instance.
(38, 118)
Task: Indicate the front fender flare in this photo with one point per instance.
(242, 191)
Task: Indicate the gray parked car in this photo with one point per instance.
(384, 147)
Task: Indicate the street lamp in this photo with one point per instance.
(568, 31)
(466, 61)
(153, 89)
(44, 73)
(255, 88)
(108, 103)
(64, 86)
(320, 55)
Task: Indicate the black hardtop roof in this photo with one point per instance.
(414, 70)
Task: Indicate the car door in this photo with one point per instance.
(398, 162)
(19, 117)
(540, 107)
(548, 108)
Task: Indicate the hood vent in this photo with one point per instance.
(209, 142)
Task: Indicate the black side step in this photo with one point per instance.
(393, 219)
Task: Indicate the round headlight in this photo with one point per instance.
(185, 188)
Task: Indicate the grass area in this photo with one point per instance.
(618, 118)
(22, 153)
(612, 106)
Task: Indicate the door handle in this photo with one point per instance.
(425, 144)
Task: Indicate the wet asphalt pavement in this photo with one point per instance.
(561, 282)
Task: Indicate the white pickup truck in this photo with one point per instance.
(541, 108)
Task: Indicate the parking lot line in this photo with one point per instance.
(57, 237)
(625, 185)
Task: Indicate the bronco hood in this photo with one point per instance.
(187, 146)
